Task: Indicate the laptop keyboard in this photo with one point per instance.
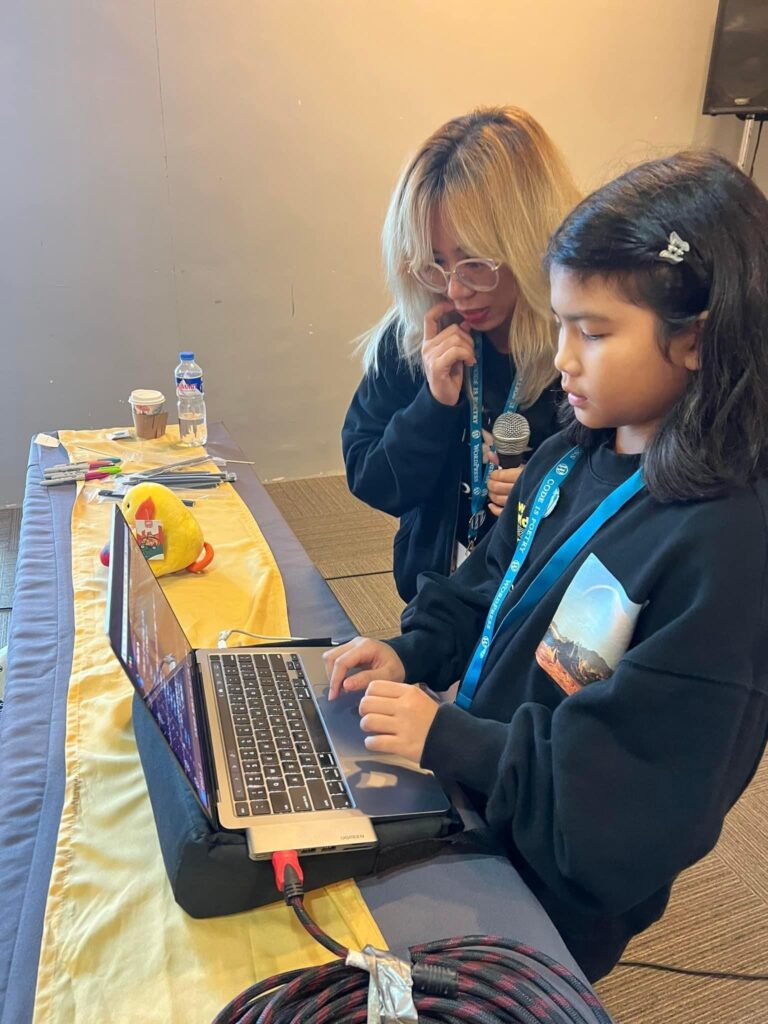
(278, 754)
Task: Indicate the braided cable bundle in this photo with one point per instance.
(475, 979)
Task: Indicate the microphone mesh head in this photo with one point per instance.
(511, 433)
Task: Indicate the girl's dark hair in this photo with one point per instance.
(716, 434)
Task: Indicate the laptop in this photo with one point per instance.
(252, 730)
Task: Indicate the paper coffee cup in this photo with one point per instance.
(148, 416)
(147, 402)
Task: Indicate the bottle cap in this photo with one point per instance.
(187, 357)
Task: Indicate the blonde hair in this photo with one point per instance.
(502, 188)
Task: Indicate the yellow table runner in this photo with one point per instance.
(116, 946)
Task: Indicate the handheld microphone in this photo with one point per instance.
(511, 434)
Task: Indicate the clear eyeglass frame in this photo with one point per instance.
(481, 275)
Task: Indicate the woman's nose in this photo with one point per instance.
(457, 290)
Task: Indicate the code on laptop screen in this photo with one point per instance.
(156, 655)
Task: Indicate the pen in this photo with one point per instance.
(78, 474)
(82, 474)
(71, 478)
(69, 467)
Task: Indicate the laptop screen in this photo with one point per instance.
(155, 653)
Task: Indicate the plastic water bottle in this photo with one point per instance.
(193, 429)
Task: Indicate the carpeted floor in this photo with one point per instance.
(718, 916)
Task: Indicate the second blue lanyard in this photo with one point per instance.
(479, 477)
(553, 569)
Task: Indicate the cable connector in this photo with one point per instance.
(435, 980)
(225, 634)
(289, 878)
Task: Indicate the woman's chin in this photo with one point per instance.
(496, 329)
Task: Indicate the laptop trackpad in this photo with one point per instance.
(383, 785)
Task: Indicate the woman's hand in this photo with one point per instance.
(500, 483)
(399, 716)
(489, 455)
(377, 658)
(445, 354)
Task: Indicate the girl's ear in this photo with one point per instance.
(686, 345)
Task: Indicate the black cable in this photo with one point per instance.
(297, 904)
(476, 979)
(727, 975)
(494, 981)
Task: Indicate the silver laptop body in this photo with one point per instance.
(327, 803)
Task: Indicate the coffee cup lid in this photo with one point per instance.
(144, 396)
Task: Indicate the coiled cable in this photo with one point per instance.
(474, 979)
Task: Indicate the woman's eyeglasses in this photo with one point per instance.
(479, 275)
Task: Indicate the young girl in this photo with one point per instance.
(613, 705)
(463, 241)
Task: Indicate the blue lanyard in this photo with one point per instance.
(554, 568)
(479, 483)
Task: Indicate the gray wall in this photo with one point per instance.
(213, 174)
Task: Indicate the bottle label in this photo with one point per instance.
(189, 385)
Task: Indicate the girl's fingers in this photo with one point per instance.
(372, 705)
(339, 680)
(385, 724)
(387, 688)
(382, 743)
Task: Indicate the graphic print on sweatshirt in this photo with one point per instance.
(591, 630)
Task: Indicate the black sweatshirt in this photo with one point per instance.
(406, 454)
(615, 726)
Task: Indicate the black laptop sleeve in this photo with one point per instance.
(210, 871)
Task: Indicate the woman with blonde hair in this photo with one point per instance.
(470, 335)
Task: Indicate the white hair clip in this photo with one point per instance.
(676, 249)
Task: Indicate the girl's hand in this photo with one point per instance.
(445, 354)
(399, 716)
(488, 454)
(378, 658)
(500, 483)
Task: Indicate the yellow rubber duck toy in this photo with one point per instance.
(183, 544)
